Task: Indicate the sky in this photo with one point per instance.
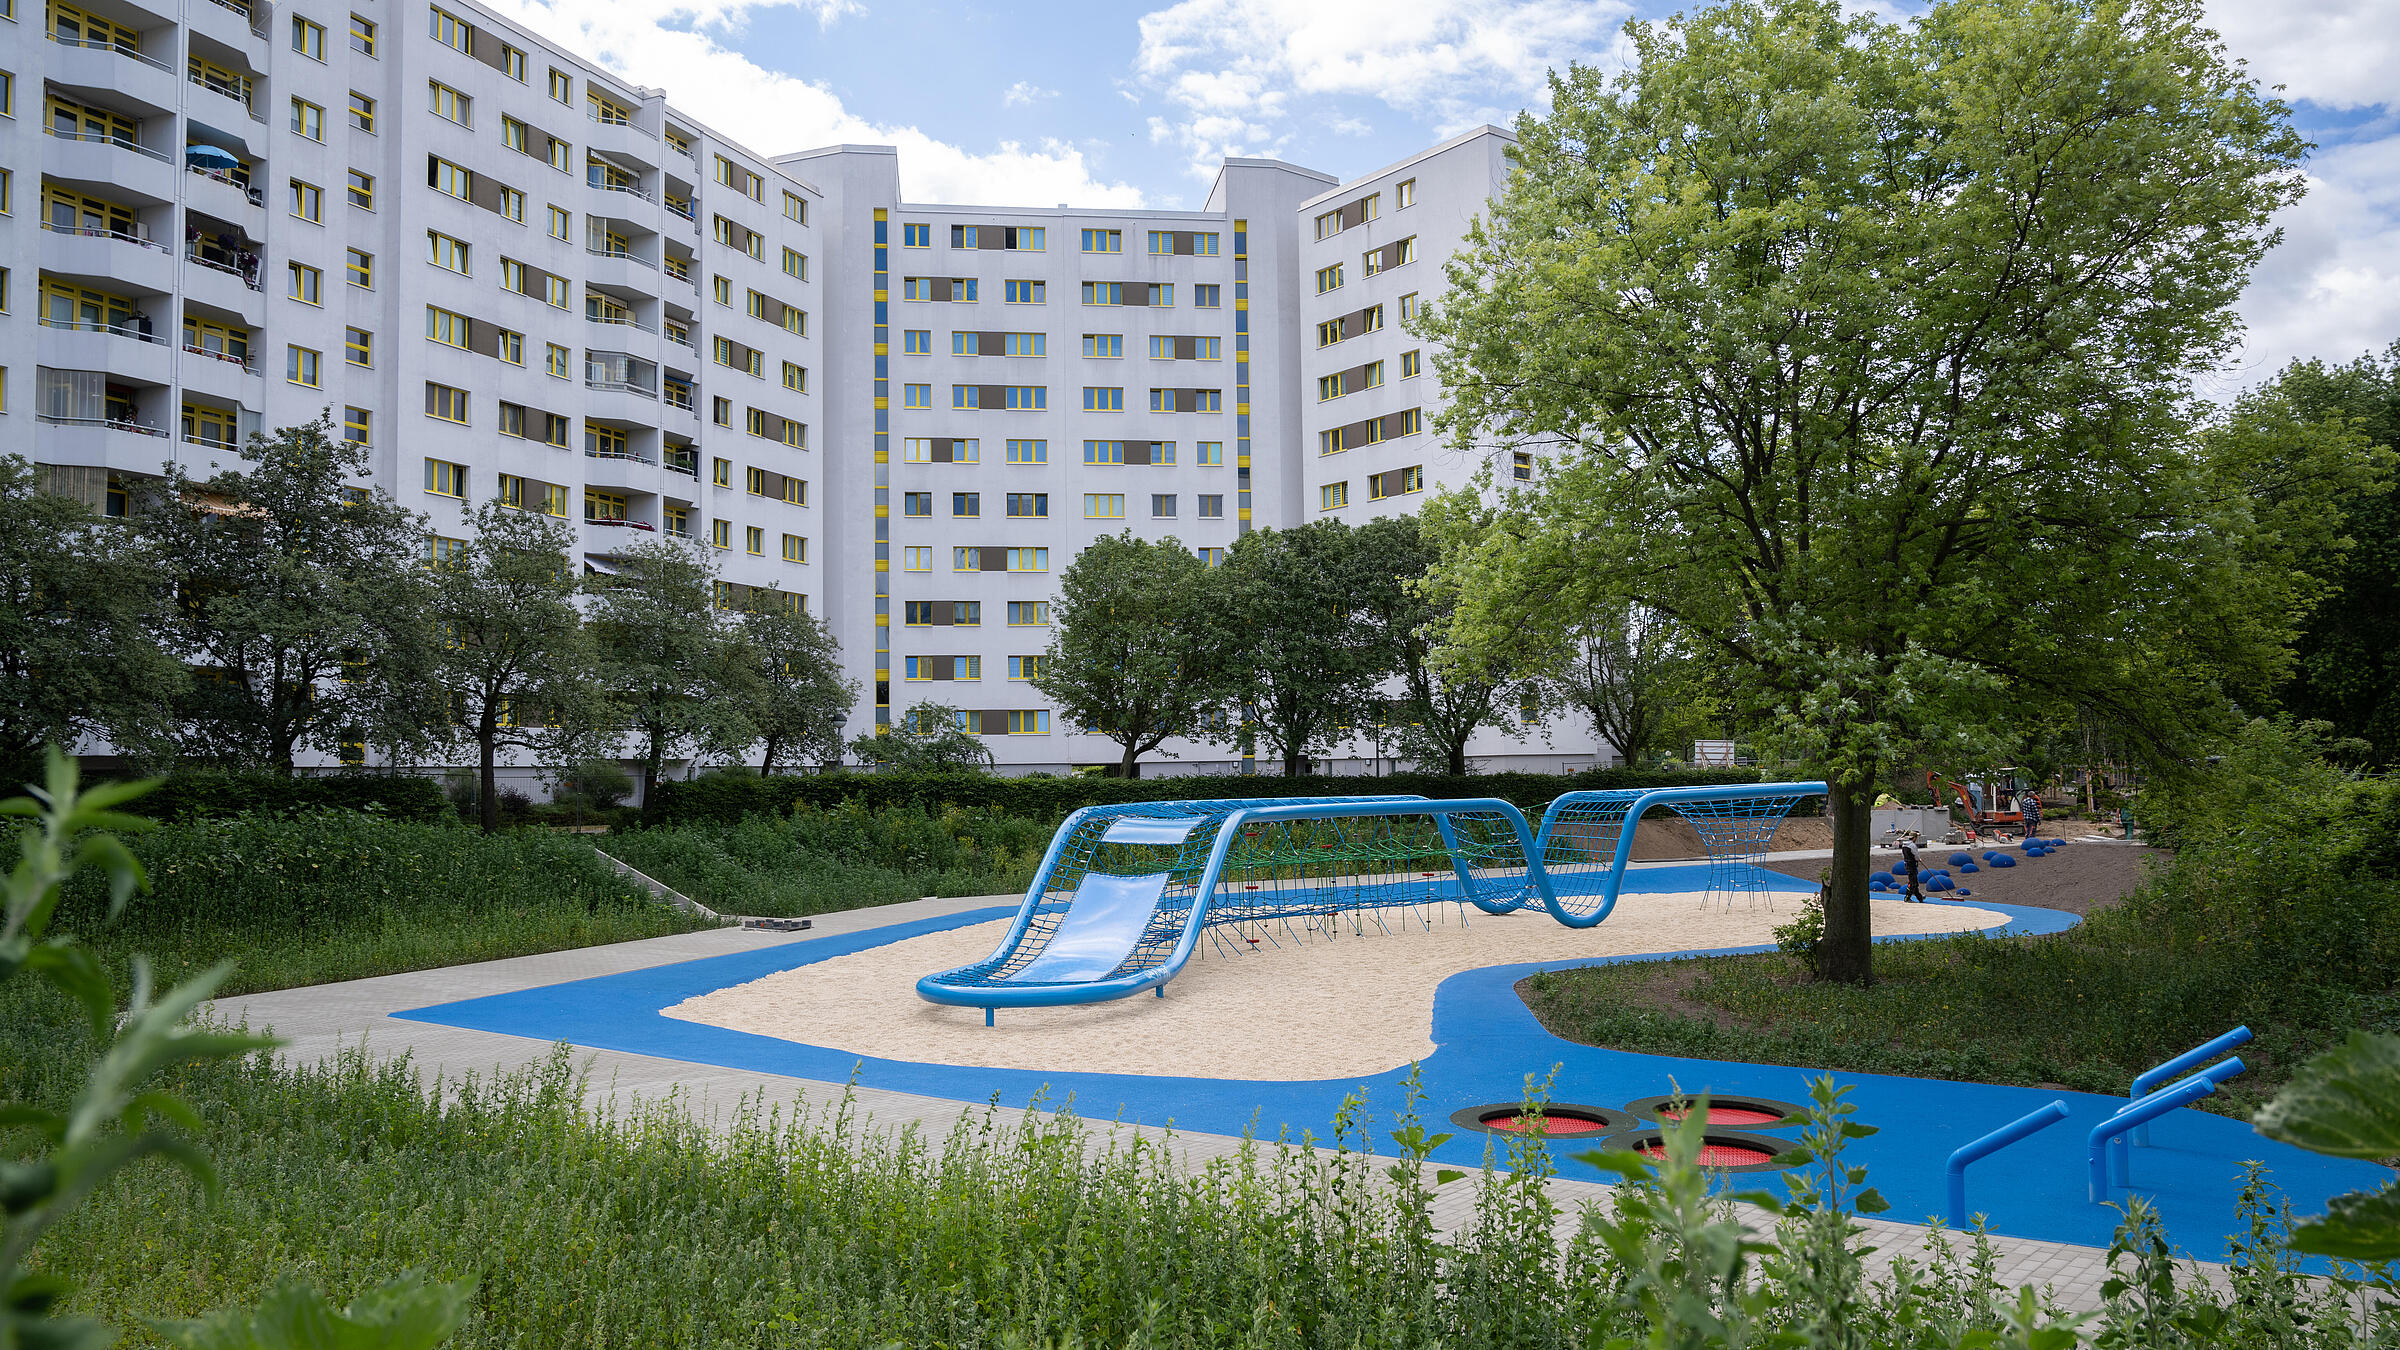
(1091, 103)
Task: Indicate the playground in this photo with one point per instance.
(1233, 967)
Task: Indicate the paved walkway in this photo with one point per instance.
(317, 1021)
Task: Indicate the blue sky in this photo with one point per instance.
(1133, 104)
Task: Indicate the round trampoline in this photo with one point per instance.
(1720, 1150)
(1558, 1120)
(1749, 1113)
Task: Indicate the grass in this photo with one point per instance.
(816, 861)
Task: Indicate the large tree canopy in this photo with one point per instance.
(1863, 353)
(1134, 655)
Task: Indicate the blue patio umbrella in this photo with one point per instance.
(209, 154)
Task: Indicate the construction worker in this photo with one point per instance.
(2029, 805)
(1908, 860)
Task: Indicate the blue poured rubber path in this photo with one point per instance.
(1487, 1044)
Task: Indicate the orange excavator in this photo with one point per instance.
(1990, 804)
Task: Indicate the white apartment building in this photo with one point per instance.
(511, 275)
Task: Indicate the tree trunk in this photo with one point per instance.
(487, 800)
(1458, 759)
(1131, 765)
(1847, 951)
(766, 759)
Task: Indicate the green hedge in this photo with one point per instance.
(726, 797)
(207, 794)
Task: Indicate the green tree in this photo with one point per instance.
(928, 738)
(1441, 704)
(664, 655)
(1299, 660)
(2348, 669)
(795, 696)
(1134, 654)
(1865, 352)
(80, 612)
(1629, 672)
(301, 600)
(512, 651)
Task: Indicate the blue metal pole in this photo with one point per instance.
(2215, 1074)
(1992, 1143)
(2148, 1108)
(2149, 1079)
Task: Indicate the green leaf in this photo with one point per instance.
(2360, 1226)
(1871, 1201)
(2345, 1102)
(405, 1313)
(1444, 1176)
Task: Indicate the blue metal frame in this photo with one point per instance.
(2141, 1111)
(1633, 816)
(1955, 1171)
(2148, 1080)
(949, 987)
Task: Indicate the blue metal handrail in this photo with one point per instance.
(2141, 1112)
(1956, 1169)
(2148, 1080)
(1633, 816)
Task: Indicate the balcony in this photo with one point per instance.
(233, 23)
(685, 462)
(122, 443)
(91, 157)
(124, 349)
(136, 263)
(88, 63)
(622, 271)
(223, 376)
(234, 191)
(230, 93)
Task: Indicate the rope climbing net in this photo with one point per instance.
(1736, 833)
(1585, 841)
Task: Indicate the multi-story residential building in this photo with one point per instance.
(479, 255)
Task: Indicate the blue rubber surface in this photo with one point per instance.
(1487, 1046)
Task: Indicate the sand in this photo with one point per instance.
(1341, 1007)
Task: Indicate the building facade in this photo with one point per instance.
(511, 276)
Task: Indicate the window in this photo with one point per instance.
(1128, 293)
(562, 88)
(446, 403)
(558, 154)
(445, 479)
(447, 102)
(1332, 496)
(512, 347)
(679, 521)
(512, 204)
(916, 341)
(754, 542)
(941, 450)
(795, 263)
(944, 667)
(916, 504)
(358, 345)
(362, 35)
(1012, 397)
(451, 31)
(445, 327)
(562, 225)
(959, 289)
(1212, 506)
(1210, 454)
(308, 39)
(916, 396)
(362, 190)
(1390, 256)
(1187, 400)
(741, 179)
(1103, 241)
(722, 289)
(721, 473)
(362, 270)
(1025, 292)
(795, 549)
(607, 109)
(966, 503)
(1398, 482)
(611, 506)
(1521, 466)
(1032, 723)
(1103, 400)
(917, 558)
(1210, 557)
(308, 119)
(1162, 505)
(441, 552)
(362, 112)
(308, 202)
(1409, 367)
(356, 423)
(1368, 376)
(916, 236)
(443, 250)
(1168, 243)
(1408, 306)
(1029, 505)
(720, 533)
(512, 64)
(1024, 667)
(1104, 345)
(1329, 278)
(1186, 348)
(795, 207)
(1356, 213)
(795, 377)
(1029, 452)
(302, 366)
(448, 177)
(720, 411)
(307, 284)
(514, 136)
(1205, 296)
(555, 361)
(1028, 613)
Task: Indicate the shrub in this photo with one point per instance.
(205, 793)
(814, 861)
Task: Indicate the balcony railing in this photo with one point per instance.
(119, 48)
(247, 274)
(681, 398)
(622, 255)
(241, 7)
(612, 119)
(621, 522)
(614, 322)
(212, 442)
(687, 465)
(687, 211)
(622, 387)
(217, 87)
(227, 357)
(681, 340)
(683, 150)
(104, 138)
(109, 423)
(125, 330)
(605, 186)
(119, 235)
(257, 196)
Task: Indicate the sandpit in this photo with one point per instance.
(1345, 1006)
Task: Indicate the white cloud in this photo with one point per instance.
(1237, 67)
(1024, 92)
(2331, 289)
(2337, 53)
(675, 44)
